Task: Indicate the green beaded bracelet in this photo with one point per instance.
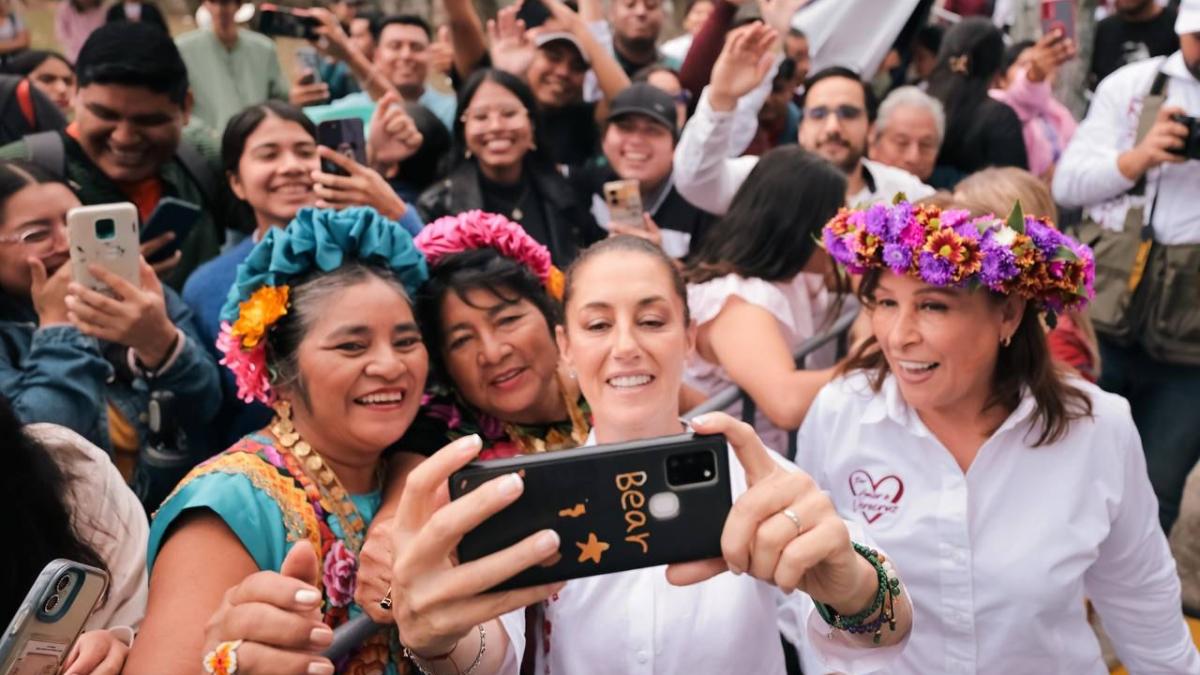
(883, 602)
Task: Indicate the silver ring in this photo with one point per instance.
(791, 515)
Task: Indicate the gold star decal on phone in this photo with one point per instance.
(592, 550)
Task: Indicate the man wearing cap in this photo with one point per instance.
(639, 144)
(128, 144)
(1135, 173)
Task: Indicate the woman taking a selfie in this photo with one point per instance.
(321, 326)
(273, 164)
(501, 166)
(626, 344)
(488, 313)
(81, 359)
(1007, 489)
(757, 290)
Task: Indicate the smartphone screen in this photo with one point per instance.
(171, 215)
(624, 200)
(344, 136)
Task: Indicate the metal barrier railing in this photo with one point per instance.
(352, 633)
(731, 394)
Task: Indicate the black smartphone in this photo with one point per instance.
(533, 13)
(615, 507)
(282, 22)
(171, 215)
(344, 136)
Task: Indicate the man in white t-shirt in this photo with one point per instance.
(835, 125)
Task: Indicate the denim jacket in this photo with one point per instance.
(58, 375)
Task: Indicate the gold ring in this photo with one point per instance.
(791, 515)
(386, 601)
(222, 660)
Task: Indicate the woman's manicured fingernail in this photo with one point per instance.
(510, 485)
(306, 596)
(321, 636)
(320, 668)
(547, 542)
(735, 569)
(472, 443)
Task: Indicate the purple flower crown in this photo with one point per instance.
(1025, 255)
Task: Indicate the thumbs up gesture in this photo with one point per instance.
(274, 618)
(441, 52)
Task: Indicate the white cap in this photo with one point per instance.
(547, 38)
(1189, 17)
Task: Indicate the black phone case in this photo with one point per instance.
(345, 136)
(598, 501)
(279, 22)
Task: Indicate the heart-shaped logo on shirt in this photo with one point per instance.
(875, 498)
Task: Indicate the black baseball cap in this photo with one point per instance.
(645, 99)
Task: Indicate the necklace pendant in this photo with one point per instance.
(517, 213)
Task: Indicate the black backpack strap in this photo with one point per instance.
(199, 170)
(46, 149)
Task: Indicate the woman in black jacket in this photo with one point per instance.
(501, 166)
(980, 131)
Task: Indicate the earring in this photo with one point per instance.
(283, 409)
(467, 154)
(572, 374)
(1006, 341)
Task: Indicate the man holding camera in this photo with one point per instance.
(1133, 164)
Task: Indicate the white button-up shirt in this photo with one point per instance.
(637, 623)
(1087, 174)
(999, 559)
(708, 172)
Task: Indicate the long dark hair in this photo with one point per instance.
(537, 156)
(238, 130)
(1025, 362)
(24, 63)
(971, 55)
(775, 219)
(40, 526)
(483, 269)
(16, 175)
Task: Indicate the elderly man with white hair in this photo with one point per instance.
(908, 132)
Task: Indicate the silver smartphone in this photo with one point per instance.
(50, 619)
(104, 235)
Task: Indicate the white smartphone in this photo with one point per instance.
(45, 627)
(105, 235)
(624, 199)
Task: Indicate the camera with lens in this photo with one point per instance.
(1191, 147)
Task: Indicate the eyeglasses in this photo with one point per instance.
(483, 114)
(30, 236)
(844, 113)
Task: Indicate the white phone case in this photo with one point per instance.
(105, 235)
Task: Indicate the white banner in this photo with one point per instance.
(856, 34)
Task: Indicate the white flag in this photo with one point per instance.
(856, 34)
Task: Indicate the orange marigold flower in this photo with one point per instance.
(259, 313)
(556, 283)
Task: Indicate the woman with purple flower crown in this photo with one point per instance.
(1007, 488)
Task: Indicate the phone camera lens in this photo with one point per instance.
(51, 603)
(63, 582)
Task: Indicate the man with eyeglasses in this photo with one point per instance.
(229, 67)
(835, 125)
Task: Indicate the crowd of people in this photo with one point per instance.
(566, 230)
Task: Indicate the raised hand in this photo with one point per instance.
(441, 52)
(511, 49)
(362, 187)
(743, 63)
(1048, 53)
(778, 13)
(392, 136)
(136, 317)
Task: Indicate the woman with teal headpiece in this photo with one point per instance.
(254, 555)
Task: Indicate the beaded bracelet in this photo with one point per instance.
(417, 658)
(884, 602)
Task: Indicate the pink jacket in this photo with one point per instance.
(1047, 124)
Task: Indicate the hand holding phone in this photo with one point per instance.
(105, 235)
(51, 617)
(345, 137)
(172, 215)
(1059, 15)
(279, 21)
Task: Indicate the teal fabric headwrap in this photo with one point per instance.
(324, 239)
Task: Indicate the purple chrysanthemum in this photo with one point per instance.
(935, 270)
(900, 216)
(1046, 238)
(837, 248)
(877, 220)
(999, 265)
(898, 257)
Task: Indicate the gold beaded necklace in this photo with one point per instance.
(334, 496)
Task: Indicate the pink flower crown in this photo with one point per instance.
(1024, 255)
(478, 229)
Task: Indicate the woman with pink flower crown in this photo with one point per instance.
(254, 556)
(488, 313)
(1007, 487)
